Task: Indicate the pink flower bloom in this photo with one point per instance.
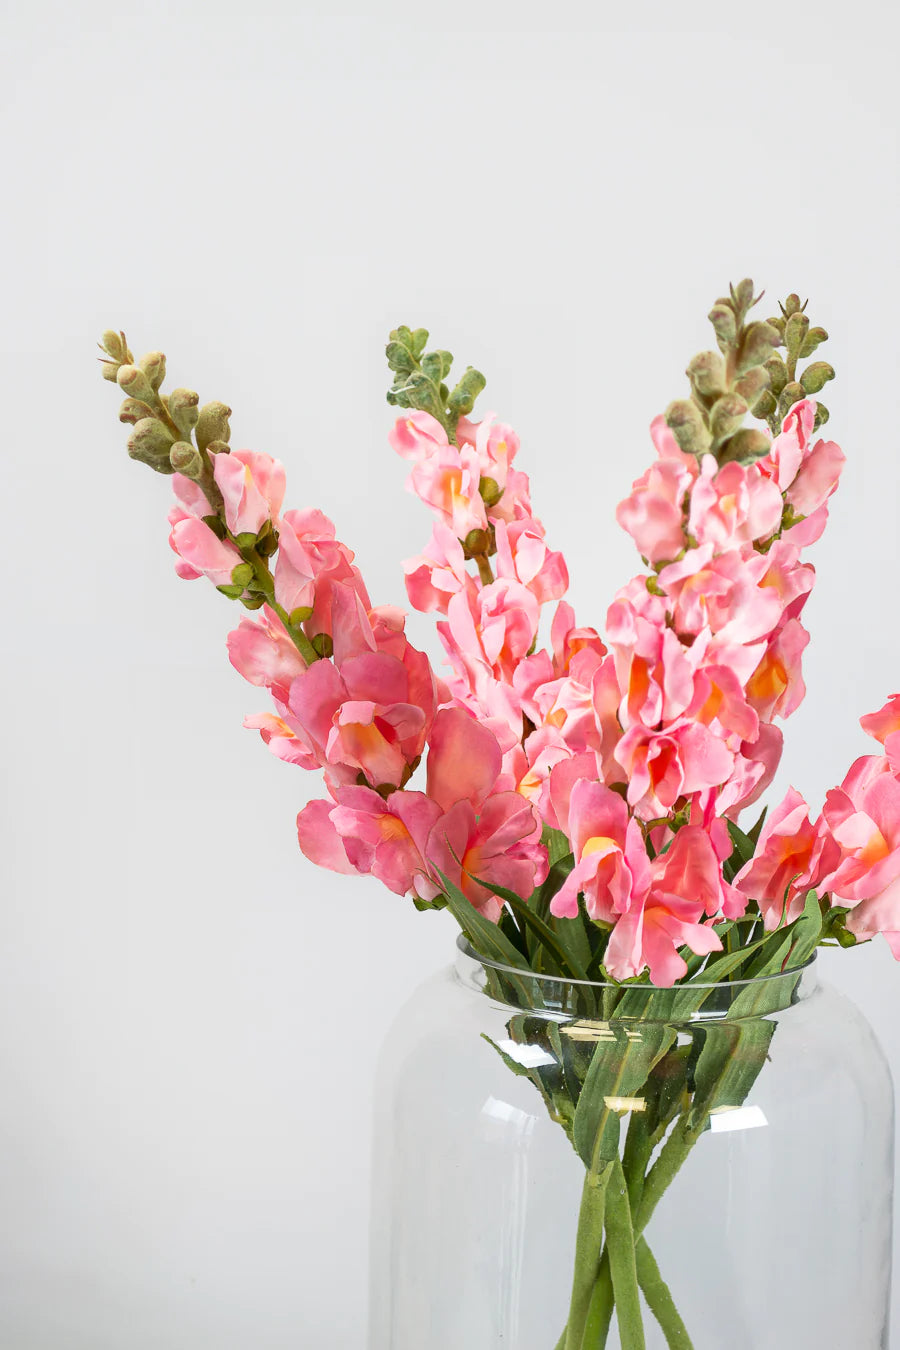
(449, 482)
(733, 505)
(464, 759)
(417, 436)
(252, 488)
(817, 479)
(566, 639)
(789, 447)
(755, 766)
(654, 671)
(776, 687)
(364, 833)
(612, 869)
(884, 724)
(501, 845)
(540, 753)
(515, 504)
(650, 935)
(496, 627)
(262, 651)
(202, 553)
(496, 445)
(792, 857)
(439, 573)
(310, 563)
(677, 761)
(370, 717)
(523, 556)
(723, 593)
(654, 512)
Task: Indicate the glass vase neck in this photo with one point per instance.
(546, 994)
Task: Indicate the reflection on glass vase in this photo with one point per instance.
(569, 1166)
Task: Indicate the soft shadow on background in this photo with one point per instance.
(189, 1011)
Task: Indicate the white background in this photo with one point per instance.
(188, 1010)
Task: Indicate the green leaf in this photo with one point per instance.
(486, 938)
(730, 1059)
(556, 844)
(619, 1070)
(567, 963)
(807, 931)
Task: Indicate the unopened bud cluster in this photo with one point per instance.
(747, 376)
(420, 380)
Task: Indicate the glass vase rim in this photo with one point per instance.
(807, 969)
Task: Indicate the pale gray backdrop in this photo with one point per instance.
(188, 1010)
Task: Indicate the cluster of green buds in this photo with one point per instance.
(747, 376)
(170, 433)
(420, 380)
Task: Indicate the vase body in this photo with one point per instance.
(513, 1117)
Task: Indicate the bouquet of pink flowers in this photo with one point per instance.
(573, 801)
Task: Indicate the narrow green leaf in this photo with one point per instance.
(807, 931)
(567, 962)
(486, 938)
(556, 844)
(619, 1069)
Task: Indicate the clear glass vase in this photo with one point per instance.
(567, 1166)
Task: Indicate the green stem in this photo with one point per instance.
(622, 1265)
(596, 1328)
(267, 585)
(659, 1299)
(663, 1172)
(588, 1244)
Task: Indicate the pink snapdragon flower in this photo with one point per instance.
(653, 514)
(863, 818)
(449, 482)
(676, 761)
(439, 573)
(495, 443)
(523, 556)
(264, 653)
(362, 832)
(733, 505)
(792, 857)
(722, 592)
(645, 902)
(252, 487)
(417, 436)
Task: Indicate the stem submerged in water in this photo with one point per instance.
(588, 1247)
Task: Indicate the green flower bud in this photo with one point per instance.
(253, 601)
(133, 382)
(183, 410)
(323, 645)
(299, 615)
(150, 442)
(404, 337)
(790, 394)
(795, 333)
(723, 320)
(757, 341)
(185, 459)
(462, 399)
(212, 424)
(419, 338)
(231, 592)
(792, 305)
(777, 323)
(266, 540)
(242, 575)
(765, 405)
(816, 376)
(115, 345)
(686, 423)
(154, 367)
(400, 358)
(133, 410)
(751, 385)
(218, 448)
(742, 295)
(822, 416)
(490, 492)
(246, 539)
(778, 373)
(109, 370)
(475, 542)
(745, 446)
(706, 372)
(812, 340)
(726, 416)
(216, 524)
